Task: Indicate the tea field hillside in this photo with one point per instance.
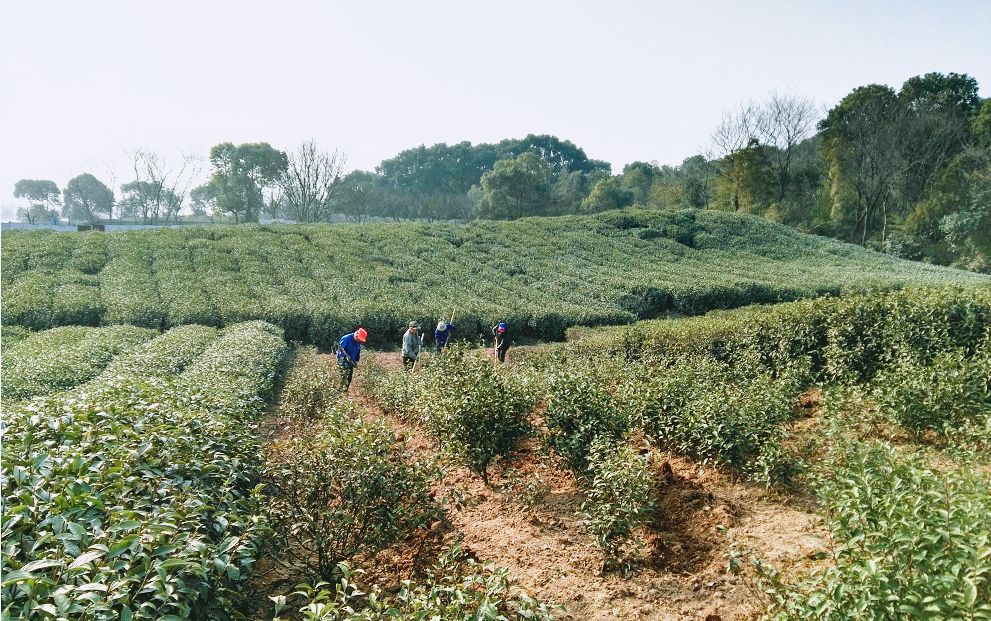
(175, 446)
(541, 275)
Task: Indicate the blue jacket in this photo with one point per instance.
(442, 338)
(351, 347)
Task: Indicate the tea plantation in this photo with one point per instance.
(539, 274)
(168, 449)
(898, 459)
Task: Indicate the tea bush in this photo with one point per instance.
(733, 424)
(13, 334)
(581, 409)
(619, 495)
(348, 490)
(848, 339)
(128, 291)
(696, 407)
(240, 368)
(163, 356)
(457, 587)
(912, 542)
(61, 358)
(471, 411)
(719, 388)
(950, 391)
(312, 385)
(40, 299)
(135, 504)
(131, 498)
(396, 393)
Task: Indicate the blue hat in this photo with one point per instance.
(501, 327)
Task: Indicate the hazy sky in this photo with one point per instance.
(81, 83)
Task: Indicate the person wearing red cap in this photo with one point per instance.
(348, 354)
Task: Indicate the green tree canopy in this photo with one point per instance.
(863, 138)
(150, 201)
(981, 126)
(86, 199)
(638, 178)
(241, 175)
(608, 193)
(517, 187)
(560, 155)
(43, 198)
(941, 108)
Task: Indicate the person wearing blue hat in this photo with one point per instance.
(500, 336)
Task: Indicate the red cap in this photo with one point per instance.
(361, 335)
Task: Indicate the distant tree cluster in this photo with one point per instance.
(906, 171)
(534, 176)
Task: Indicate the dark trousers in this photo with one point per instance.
(408, 362)
(347, 374)
(501, 353)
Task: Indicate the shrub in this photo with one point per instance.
(912, 542)
(312, 385)
(619, 495)
(457, 587)
(345, 491)
(581, 409)
(473, 412)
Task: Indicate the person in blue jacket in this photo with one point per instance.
(500, 336)
(348, 354)
(442, 335)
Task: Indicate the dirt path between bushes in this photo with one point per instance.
(680, 571)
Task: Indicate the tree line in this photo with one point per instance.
(906, 171)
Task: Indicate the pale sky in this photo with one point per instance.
(82, 83)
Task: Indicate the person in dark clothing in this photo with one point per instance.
(442, 335)
(348, 354)
(500, 335)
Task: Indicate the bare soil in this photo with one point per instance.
(678, 570)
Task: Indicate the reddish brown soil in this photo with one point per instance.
(678, 569)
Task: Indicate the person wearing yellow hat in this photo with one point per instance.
(348, 354)
(411, 345)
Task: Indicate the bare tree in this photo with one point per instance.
(782, 122)
(735, 131)
(309, 183)
(157, 193)
(779, 123)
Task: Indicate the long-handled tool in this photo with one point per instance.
(495, 347)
